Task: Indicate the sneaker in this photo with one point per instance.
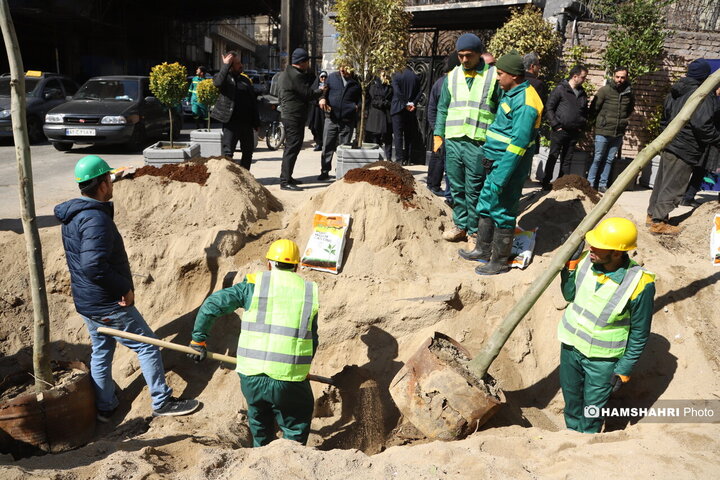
(295, 182)
(105, 416)
(317, 148)
(436, 192)
(174, 407)
(662, 228)
(602, 189)
(323, 177)
(290, 186)
(546, 186)
(455, 234)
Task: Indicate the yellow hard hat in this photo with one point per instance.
(285, 251)
(613, 234)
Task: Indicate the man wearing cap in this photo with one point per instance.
(296, 93)
(467, 106)
(606, 326)
(236, 108)
(278, 339)
(507, 154)
(685, 151)
(103, 291)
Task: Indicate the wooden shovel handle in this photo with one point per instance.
(186, 349)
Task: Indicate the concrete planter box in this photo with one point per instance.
(209, 141)
(649, 172)
(157, 155)
(538, 164)
(349, 158)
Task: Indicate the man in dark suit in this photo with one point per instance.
(340, 103)
(406, 95)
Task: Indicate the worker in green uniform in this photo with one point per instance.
(278, 339)
(607, 324)
(199, 110)
(466, 108)
(508, 156)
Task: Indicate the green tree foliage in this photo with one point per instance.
(207, 94)
(636, 39)
(373, 37)
(168, 83)
(527, 31)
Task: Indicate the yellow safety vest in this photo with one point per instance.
(276, 331)
(597, 323)
(470, 111)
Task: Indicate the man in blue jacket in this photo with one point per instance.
(340, 104)
(103, 290)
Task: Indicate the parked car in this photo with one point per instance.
(259, 84)
(106, 110)
(43, 92)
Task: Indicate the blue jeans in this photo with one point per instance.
(606, 149)
(103, 347)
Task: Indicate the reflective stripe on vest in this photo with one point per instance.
(469, 111)
(595, 323)
(276, 331)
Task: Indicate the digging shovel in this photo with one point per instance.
(185, 349)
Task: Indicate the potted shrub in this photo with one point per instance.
(208, 139)
(168, 83)
(372, 38)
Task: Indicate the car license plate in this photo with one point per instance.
(80, 132)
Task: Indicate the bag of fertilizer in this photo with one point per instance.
(715, 241)
(324, 250)
(523, 246)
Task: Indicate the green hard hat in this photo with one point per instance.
(89, 167)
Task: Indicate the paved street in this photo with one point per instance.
(53, 174)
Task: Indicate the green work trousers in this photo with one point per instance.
(465, 171)
(290, 404)
(585, 382)
(504, 208)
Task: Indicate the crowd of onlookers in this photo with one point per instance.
(329, 105)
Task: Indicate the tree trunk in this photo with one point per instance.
(41, 347)
(361, 127)
(491, 349)
(171, 126)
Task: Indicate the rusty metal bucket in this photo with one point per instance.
(438, 398)
(59, 419)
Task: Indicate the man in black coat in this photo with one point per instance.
(103, 291)
(685, 151)
(379, 123)
(340, 103)
(567, 113)
(236, 108)
(296, 93)
(436, 166)
(406, 95)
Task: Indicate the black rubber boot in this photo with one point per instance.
(501, 250)
(484, 241)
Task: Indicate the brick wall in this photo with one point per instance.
(681, 47)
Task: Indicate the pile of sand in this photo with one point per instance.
(399, 283)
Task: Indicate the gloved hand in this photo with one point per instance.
(618, 381)
(437, 143)
(494, 188)
(199, 347)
